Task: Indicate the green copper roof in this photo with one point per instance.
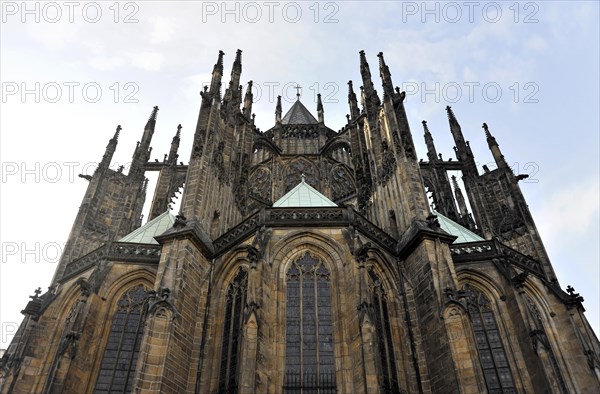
(303, 195)
(298, 114)
(146, 233)
(453, 228)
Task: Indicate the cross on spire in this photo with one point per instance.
(298, 87)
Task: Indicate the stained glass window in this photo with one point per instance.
(117, 368)
(232, 332)
(309, 358)
(389, 375)
(494, 363)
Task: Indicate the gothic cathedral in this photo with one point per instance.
(304, 260)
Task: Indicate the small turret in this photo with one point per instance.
(174, 146)
(371, 98)
(352, 102)
(431, 151)
(217, 75)
(320, 112)
(386, 77)
(248, 101)
(111, 147)
(493, 145)
(278, 110)
(143, 150)
(232, 96)
(462, 149)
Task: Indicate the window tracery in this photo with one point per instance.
(117, 368)
(232, 332)
(309, 357)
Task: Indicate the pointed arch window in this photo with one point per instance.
(117, 368)
(496, 371)
(540, 338)
(309, 358)
(232, 332)
(381, 317)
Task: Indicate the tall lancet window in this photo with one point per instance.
(309, 361)
(117, 368)
(381, 317)
(492, 356)
(232, 332)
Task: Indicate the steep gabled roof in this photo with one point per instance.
(298, 114)
(453, 228)
(146, 233)
(303, 195)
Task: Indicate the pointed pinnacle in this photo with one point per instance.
(383, 68)
(450, 113)
(117, 132)
(237, 63)
(154, 113)
(152, 118)
(219, 64)
(319, 102)
(425, 128)
(363, 57)
(487, 131)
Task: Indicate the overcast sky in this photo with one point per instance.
(71, 72)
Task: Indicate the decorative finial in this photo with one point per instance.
(298, 87)
(302, 177)
(117, 132)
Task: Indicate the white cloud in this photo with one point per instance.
(149, 61)
(106, 62)
(537, 43)
(162, 30)
(571, 212)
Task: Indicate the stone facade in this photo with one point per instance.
(366, 295)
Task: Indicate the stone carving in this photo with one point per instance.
(388, 163)
(341, 182)
(241, 187)
(295, 170)
(260, 184)
(218, 162)
(300, 132)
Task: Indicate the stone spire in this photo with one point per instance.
(111, 147)
(248, 101)
(232, 97)
(352, 102)
(217, 75)
(175, 146)
(386, 77)
(371, 98)
(142, 152)
(462, 148)
(278, 110)
(493, 145)
(320, 112)
(431, 151)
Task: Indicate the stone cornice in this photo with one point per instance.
(190, 229)
(418, 231)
